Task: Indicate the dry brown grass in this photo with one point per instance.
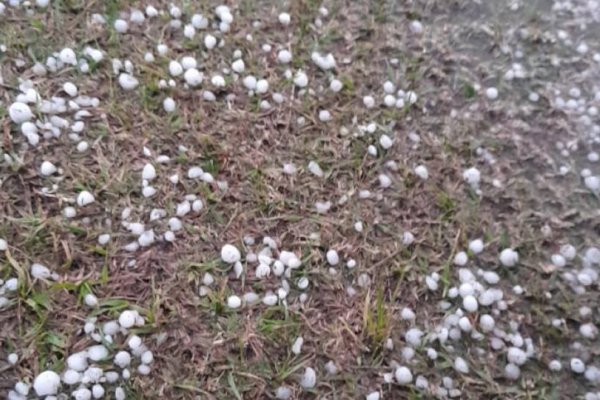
(203, 350)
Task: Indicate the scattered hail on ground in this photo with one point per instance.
(298, 200)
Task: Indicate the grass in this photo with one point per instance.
(202, 348)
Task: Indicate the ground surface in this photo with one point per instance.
(531, 197)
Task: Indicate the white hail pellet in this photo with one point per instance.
(512, 372)
(270, 299)
(369, 101)
(189, 31)
(389, 100)
(82, 146)
(283, 393)
(230, 254)
(315, 169)
(491, 93)
(302, 283)
(389, 87)
(358, 226)
(197, 205)
(218, 81)
(384, 181)
(278, 268)
(373, 396)
(46, 383)
(262, 86)
(19, 112)
(169, 105)
(486, 323)
(301, 79)
(175, 68)
(147, 357)
(238, 66)
(582, 48)
(461, 258)
(592, 183)
(332, 257)
(84, 198)
(250, 82)
(148, 172)
(98, 391)
(413, 337)
(122, 359)
(577, 366)
(21, 388)
(127, 318)
(137, 16)
(175, 11)
(407, 314)
(47, 168)
(509, 257)
(470, 303)
(262, 271)
(331, 368)
(416, 27)
(111, 328)
(193, 77)
(472, 176)
(385, 141)
(466, 289)
(134, 342)
(289, 169)
(67, 56)
(336, 85)
(491, 277)
(210, 41)
(127, 81)
(97, 352)
(143, 369)
(119, 393)
(297, 346)
(11, 284)
(432, 353)
(12, 358)
(421, 172)
(403, 375)
(465, 324)
(588, 331)
(284, 18)
(95, 54)
(476, 246)
(121, 25)
(555, 365)
(284, 56)
(431, 283)
(516, 356)
(460, 365)
(324, 116)
(70, 89)
(308, 379)
(90, 300)
(518, 290)
(78, 361)
(199, 21)
(592, 255)
(324, 62)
